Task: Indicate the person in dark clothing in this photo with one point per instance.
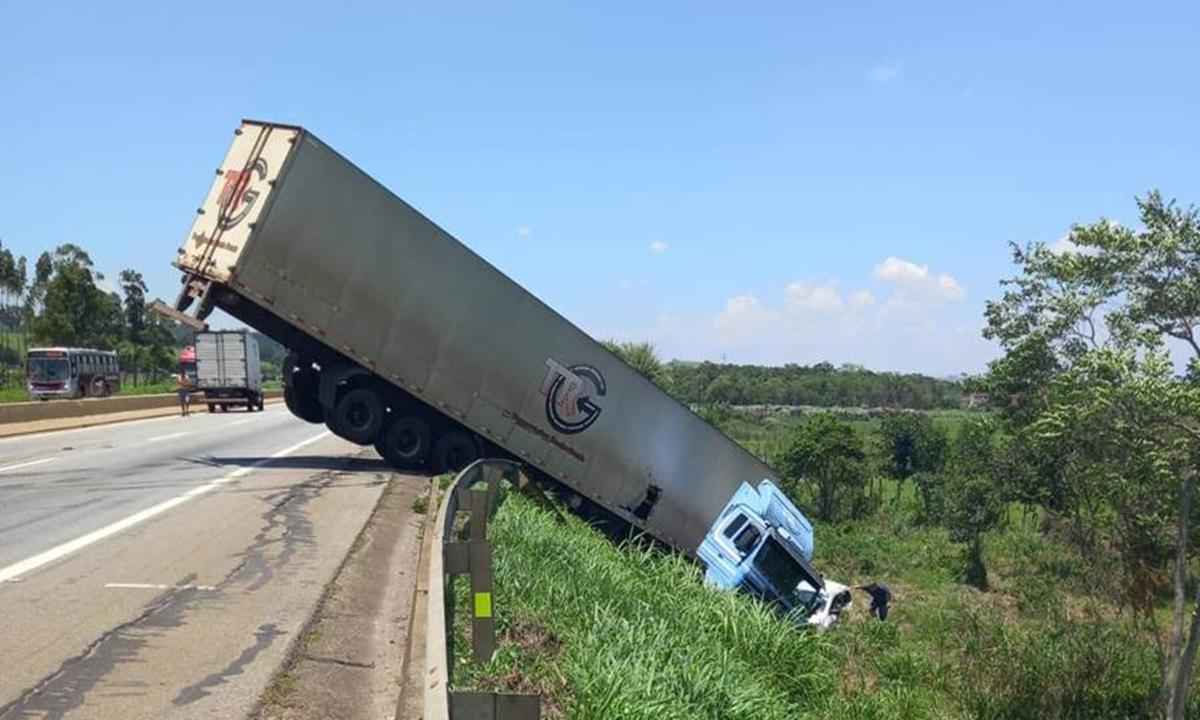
(880, 597)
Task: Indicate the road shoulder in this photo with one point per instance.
(348, 663)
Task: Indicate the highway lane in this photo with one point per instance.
(59, 486)
(162, 568)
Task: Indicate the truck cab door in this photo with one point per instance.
(726, 548)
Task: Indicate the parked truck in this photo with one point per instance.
(228, 370)
(401, 337)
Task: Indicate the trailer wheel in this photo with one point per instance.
(454, 451)
(303, 406)
(212, 408)
(358, 416)
(405, 443)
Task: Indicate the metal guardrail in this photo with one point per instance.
(452, 556)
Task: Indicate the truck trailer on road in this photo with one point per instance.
(401, 337)
(228, 370)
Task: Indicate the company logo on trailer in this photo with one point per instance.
(570, 396)
(237, 199)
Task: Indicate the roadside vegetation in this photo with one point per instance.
(1041, 555)
(627, 632)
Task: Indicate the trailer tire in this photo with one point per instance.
(358, 416)
(454, 451)
(405, 443)
(212, 408)
(303, 406)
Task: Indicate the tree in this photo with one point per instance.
(73, 310)
(826, 455)
(1085, 334)
(912, 444)
(643, 358)
(134, 288)
(973, 498)
(12, 285)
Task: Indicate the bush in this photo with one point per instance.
(1059, 669)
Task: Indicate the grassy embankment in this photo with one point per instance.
(606, 632)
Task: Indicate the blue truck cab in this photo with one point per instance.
(761, 544)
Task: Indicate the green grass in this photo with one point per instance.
(630, 633)
(12, 395)
(607, 632)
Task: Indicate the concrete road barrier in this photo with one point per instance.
(55, 409)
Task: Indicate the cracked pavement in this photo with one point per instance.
(189, 612)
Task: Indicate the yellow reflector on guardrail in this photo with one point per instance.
(483, 604)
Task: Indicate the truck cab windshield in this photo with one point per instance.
(48, 369)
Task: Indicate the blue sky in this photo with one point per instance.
(794, 183)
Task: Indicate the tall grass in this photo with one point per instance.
(635, 632)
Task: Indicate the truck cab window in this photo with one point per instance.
(734, 525)
(747, 539)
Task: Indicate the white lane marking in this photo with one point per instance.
(152, 586)
(27, 464)
(16, 570)
(165, 437)
(243, 422)
(103, 426)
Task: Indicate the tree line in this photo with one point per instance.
(62, 303)
(820, 385)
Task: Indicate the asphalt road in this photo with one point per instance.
(162, 568)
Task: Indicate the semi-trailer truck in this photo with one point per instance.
(401, 337)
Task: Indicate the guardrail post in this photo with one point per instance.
(473, 557)
(483, 626)
(493, 706)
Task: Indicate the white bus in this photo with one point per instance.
(71, 373)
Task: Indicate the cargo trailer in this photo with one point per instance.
(401, 337)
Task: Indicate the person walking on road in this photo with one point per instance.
(880, 597)
(185, 394)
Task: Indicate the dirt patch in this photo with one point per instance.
(539, 649)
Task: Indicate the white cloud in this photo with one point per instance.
(743, 321)
(524, 231)
(808, 296)
(803, 323)
(910, 322)
(884, 73)
(915, 282)
(658, 247)
(862, 298)
(893, 268)
(950, 288)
